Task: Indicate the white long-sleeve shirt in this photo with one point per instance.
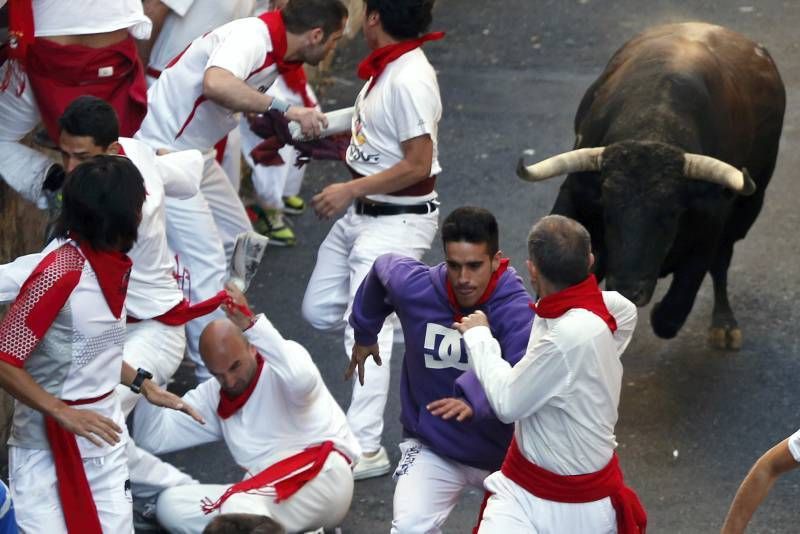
(564, 393)
(289, 410)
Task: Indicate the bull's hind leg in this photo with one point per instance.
(724, 332)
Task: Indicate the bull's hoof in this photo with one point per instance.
(725, 338)
(662, 325)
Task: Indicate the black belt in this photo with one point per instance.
(376, 210)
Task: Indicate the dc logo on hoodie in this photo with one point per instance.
(444, 348)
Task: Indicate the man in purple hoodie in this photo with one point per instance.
(452, 438)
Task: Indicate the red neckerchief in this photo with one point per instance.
(113, 270)
(292, 71)
(229, 405)
(487, 294)
(586, 295)
(374, 64)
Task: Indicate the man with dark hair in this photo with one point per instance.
(391, 202)
(452, 439)
(561, 473)
(270, 406)
(61, 358)
(155, 339)
(194, 104)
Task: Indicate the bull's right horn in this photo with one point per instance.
(716, 171)
(580, 160)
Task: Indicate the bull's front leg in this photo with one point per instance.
(668, 316)
(724, 332)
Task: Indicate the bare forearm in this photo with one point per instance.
(157, 12)
(24, 388)
(750, 495)
(222, 87)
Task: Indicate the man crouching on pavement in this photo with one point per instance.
(279, 421)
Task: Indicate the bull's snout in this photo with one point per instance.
(637, 291)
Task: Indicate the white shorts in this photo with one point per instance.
(32, 477)
(512, 509)
(322, 502)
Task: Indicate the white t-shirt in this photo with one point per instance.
(79, 17)
(794, 446)
(564, 393)
(190, 19)
(289, 410)
(403, 104)
(179, 117)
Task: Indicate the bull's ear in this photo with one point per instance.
(749, 185)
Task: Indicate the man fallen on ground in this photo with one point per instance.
(279, 421)
(561, 473)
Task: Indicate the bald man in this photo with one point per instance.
(279, 421)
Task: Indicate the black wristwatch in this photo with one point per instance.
(141, 376)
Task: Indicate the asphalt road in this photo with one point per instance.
(692, 419)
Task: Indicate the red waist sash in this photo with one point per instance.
(60, 73)
(285, 477)
(77, 502)
(608, 482)
(423, 187)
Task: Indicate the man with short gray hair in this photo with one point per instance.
(560, 473)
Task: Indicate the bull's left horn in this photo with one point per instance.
(580, 160)
(712, 170)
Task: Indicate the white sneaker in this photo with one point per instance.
(372, 466)
(247, 254)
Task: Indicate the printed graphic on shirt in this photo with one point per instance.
(444, 348)
(357, 142)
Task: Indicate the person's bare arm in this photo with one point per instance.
(756, 485)
(86, 423)
(414, 167)
(222, 87)
(157, 12)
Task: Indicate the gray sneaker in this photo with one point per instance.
(247, 254)
(372, 466)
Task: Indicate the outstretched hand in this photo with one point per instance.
(161, 397)
(88, 424)
(357, 359)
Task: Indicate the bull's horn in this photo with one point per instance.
(580, 160)
(712, 170)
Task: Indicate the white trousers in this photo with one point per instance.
(512, 509)
(343, 260)
(202, 231)
(159, 349)
(322, 502)
(32, 477)
(428, 488)
(232, 159)
(22, 168)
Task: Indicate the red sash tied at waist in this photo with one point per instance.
(286, 477)
(608, 482)
(60, 73)
(77, 503)
(423, 187)
(184, 312)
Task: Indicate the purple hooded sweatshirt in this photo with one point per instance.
(435, 365)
